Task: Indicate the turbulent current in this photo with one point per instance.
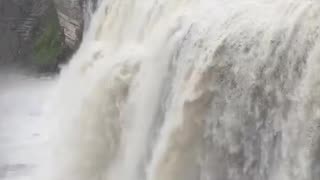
(192, 90)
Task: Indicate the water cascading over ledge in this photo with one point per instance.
(192, 90)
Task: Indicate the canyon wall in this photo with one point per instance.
(42, 33)
(74, 16)
(30, 34)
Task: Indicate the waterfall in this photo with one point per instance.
(192, 90)
(89, 7)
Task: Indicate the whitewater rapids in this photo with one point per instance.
(192, 90)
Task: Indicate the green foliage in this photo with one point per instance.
(48, 46)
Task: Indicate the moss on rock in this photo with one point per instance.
(48, 46)
(48, 42)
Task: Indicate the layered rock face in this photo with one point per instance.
(74, 15)
(42, 33)
(30, 33)
(71, 19)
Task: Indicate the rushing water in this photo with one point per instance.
(192, 90)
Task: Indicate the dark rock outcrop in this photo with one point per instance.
(70, 15)
(74, 17)
(42, 33)
(30, 34)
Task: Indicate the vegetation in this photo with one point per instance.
(48, 46)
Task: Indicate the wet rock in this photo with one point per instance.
(30, 34)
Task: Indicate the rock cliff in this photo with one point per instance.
(30, 34)
(42, 33)
(70, 15)
(73, 17)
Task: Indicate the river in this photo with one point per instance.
(23, 130)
